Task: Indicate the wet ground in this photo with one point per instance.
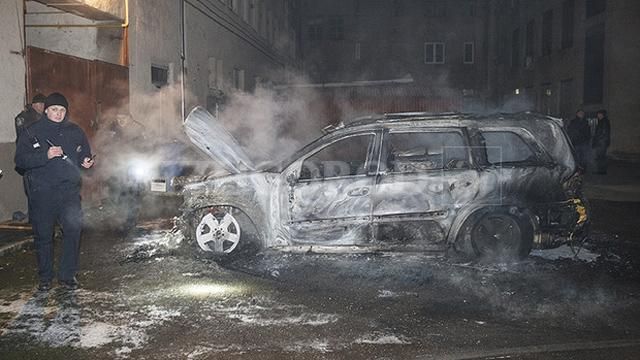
(145, 297)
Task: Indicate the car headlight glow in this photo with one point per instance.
(140, 169)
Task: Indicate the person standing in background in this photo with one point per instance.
(601, 142)
(31, 114)
(26, 118)
(580, 135)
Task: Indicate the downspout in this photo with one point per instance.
(183, 51)
(123, 25)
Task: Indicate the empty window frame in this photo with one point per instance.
(434, 53)
(568, 19)
(547, 32)
(469, 53)
(507, 148)
(417, 151)
(159, 75)
(357, 52)
(345, 157)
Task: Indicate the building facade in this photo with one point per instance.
(560, 55)
(438, 48)
(154, 59)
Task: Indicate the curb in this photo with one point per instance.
(18, 245)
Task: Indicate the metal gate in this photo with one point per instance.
(92, 87)
(95, 91)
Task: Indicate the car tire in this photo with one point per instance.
(221, 232)
(496, 235)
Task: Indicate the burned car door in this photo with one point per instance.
(329, 199)
(425, 177)
(521, 170)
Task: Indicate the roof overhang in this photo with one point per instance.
(98, 10)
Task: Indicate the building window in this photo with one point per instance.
(515, 48)
(357, 51)
(469, 8)
(398, 8)
(211, 67)
(238, 79)
(315, 31)
(469, 53)
(435, 9)
(528, 46)
(356, 7)
(547, 32)
(594, 65)
(568, 14)
(595, 7)
(159, 75)
(219, 74)
(434, 53)
(336, 28)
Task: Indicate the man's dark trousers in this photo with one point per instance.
(50, 206)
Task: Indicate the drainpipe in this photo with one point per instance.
(182, 61)
(123, 25)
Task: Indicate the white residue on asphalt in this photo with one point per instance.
(68, 319)
(264, 311)
(565, 252)
(167, 238)
(315, 346)
(392, 294)
(383, 339)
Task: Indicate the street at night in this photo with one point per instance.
(319, 179)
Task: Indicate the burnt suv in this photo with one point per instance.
(485, 185)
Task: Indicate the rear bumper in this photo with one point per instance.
(561, 222)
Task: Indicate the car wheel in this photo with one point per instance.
(223, 231)
(501, 235)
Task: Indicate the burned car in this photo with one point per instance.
(491, 185)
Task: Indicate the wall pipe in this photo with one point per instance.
(183, 57)
(123, 25)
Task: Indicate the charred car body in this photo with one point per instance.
(480, 185)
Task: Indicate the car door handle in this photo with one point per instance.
(359, 192)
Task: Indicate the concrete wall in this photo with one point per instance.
(622, 59)
(12, 88)
(84, 42)
(215, 33)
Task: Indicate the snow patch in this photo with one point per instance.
(565, 252)
(383, 339)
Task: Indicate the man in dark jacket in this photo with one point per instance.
(580, 135)
(22, 121)
(601, 142)
(31, 114)
(52, 151)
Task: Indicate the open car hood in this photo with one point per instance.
(209, 135)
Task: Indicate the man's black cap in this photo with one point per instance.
(56, 99)
(38, 98)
